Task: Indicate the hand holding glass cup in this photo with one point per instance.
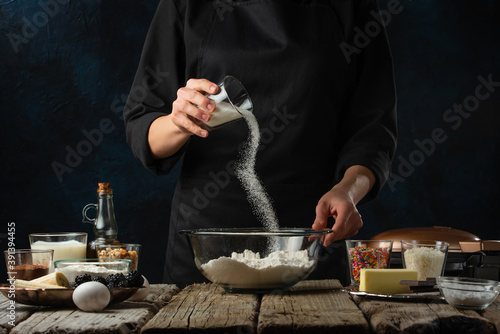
(231, 103)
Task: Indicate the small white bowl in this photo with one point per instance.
(468, 293)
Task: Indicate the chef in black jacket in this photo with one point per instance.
(323, 93)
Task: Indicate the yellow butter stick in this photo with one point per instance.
(386, 281)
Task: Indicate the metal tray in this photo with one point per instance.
(434, 295)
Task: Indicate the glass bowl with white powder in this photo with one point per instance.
(468, 293)
(256, 260)
(93, 267)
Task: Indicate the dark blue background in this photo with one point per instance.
(67, 67)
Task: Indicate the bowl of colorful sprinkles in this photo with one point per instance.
(373, 254)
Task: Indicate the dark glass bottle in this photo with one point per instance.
(105, 227)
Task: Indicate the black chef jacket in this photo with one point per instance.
(323, 94)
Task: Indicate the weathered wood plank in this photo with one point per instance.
(470, 321)
(4, 317)
(10, 317)
(206, 308)
(125, 317)
(492, 313)
(161, 293)
(311, 307)
(419, 317)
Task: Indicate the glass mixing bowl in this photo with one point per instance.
(93, 267)
(468, 293)
(255, 260)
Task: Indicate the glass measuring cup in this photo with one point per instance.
(231, 103)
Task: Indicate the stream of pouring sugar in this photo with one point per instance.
(245, 171)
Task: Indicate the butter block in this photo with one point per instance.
(386, 281)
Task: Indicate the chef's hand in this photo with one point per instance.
(167, 134)
(185, 113)
(340, 202)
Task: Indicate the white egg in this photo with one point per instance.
(142, 292)
(91, 296)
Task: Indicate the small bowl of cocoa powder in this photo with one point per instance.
(28, 264)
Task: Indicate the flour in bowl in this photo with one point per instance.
(249, 270)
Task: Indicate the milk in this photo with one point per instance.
(63, 250)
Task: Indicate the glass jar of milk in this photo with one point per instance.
(66, 245)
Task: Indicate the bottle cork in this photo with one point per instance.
(104, 188)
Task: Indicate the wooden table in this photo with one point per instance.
(310, 307)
